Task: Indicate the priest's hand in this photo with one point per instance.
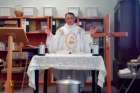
(93, 31)
(47, 31)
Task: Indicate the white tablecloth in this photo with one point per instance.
(67, 62)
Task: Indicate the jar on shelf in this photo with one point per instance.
(18, 11)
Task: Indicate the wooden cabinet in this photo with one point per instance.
(33, 26)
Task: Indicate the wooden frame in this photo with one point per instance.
(10, 34)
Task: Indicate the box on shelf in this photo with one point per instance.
(6, 11)
(91, 12)
(49, 11)
(29, 11)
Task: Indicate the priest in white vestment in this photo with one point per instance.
(69, 38)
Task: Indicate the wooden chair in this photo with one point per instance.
(20, 63)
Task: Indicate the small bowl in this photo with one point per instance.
(19, 13)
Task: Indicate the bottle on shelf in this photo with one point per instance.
(94, 48)
(41, 49)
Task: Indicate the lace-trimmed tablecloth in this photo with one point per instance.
(66, 62)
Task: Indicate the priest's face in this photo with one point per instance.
(69, 19)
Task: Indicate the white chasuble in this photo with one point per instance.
(69, 39)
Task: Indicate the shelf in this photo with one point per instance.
(29, 48)
(10, 18)
(92, 18)
(41, 17)
(36, 18)
(5, 51)
(2, 51)
(80, 18)
(35, 32)
(55, 18)
(58, 18)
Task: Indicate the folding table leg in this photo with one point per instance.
(45, 81)
(95, 87)
(129, 86)
(36, 81)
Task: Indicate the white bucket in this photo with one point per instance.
(68, 86)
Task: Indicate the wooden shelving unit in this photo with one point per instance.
(38, 35)
(33, 26)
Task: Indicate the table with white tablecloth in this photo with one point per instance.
(66, 62)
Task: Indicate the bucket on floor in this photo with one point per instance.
(68, 86)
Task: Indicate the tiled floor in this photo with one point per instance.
(52, 89)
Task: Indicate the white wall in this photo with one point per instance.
(106, 6)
